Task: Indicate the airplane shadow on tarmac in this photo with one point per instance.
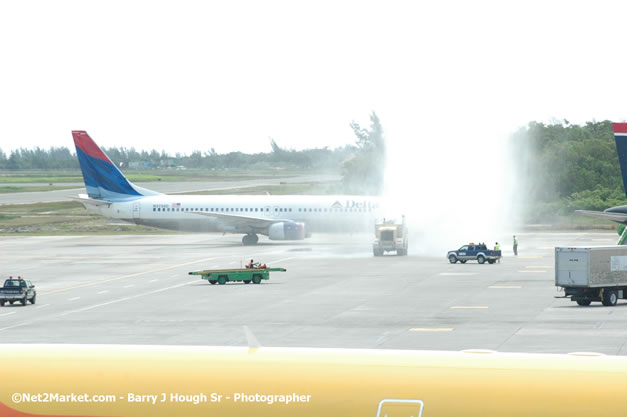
(209, 245)
(234, 284)
(591, 306)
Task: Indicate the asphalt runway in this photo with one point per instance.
(165, 187)
(136, 290)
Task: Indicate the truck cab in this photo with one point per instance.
(390, 237)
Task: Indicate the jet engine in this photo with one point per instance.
(286, 231)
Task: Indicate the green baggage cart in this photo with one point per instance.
(245, 275)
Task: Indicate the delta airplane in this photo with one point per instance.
(616, 214)
(110, 194)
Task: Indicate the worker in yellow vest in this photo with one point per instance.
(497, 247)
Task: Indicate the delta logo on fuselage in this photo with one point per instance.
(352, 204)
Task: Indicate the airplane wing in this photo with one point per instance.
(615, 217)
(239, 220)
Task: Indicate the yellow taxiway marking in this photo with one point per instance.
(505, 286)
(127, 276)
(431, 329)
(470, 307)
(533, 272)
(540, 266)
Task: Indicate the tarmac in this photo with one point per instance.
(129, 289)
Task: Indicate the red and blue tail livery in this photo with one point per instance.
(616, 214)
(620, 135)
(103, 180)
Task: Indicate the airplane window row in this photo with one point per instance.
(213, 209)
(267, 209)
(336, 210)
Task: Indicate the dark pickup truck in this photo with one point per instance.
(17, 290)
(472, 252)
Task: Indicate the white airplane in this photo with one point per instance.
(293, 217)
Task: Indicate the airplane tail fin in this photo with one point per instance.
(620, 135)
(103, 180)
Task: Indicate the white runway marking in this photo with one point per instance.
(73, 298)
(6, 314)
(128, 286)
(130, 275)
(470, 307)
(103, 292)
(283, 260)
(42, 306)
(125, 298)
(457, 273)
(504, 286)
(153, 280)
(15, 325)
(431, 329)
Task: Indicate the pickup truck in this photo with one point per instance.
(472, 252)
(17, 290)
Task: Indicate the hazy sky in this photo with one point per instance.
(186, 75)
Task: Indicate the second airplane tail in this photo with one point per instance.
(620, 135)
(103, 180)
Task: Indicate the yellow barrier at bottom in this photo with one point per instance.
(152, 381)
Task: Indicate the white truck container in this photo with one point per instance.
(597, 273)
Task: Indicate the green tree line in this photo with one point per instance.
(562, 167)
(361, 163)
(63, 158)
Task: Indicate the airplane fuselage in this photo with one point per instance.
(192, 213)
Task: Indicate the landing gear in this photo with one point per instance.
(250, 239)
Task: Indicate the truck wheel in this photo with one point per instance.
(452, 259)
(256, 279)
(32, 301)
(463, 261)
(584, 302)
(11, 302)
(490, 261)
(25, 300)
(610, 298)
(213, 282)
(222, 279)
(377, 252)
(1, 303)
(246, 281)
(481, 259)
